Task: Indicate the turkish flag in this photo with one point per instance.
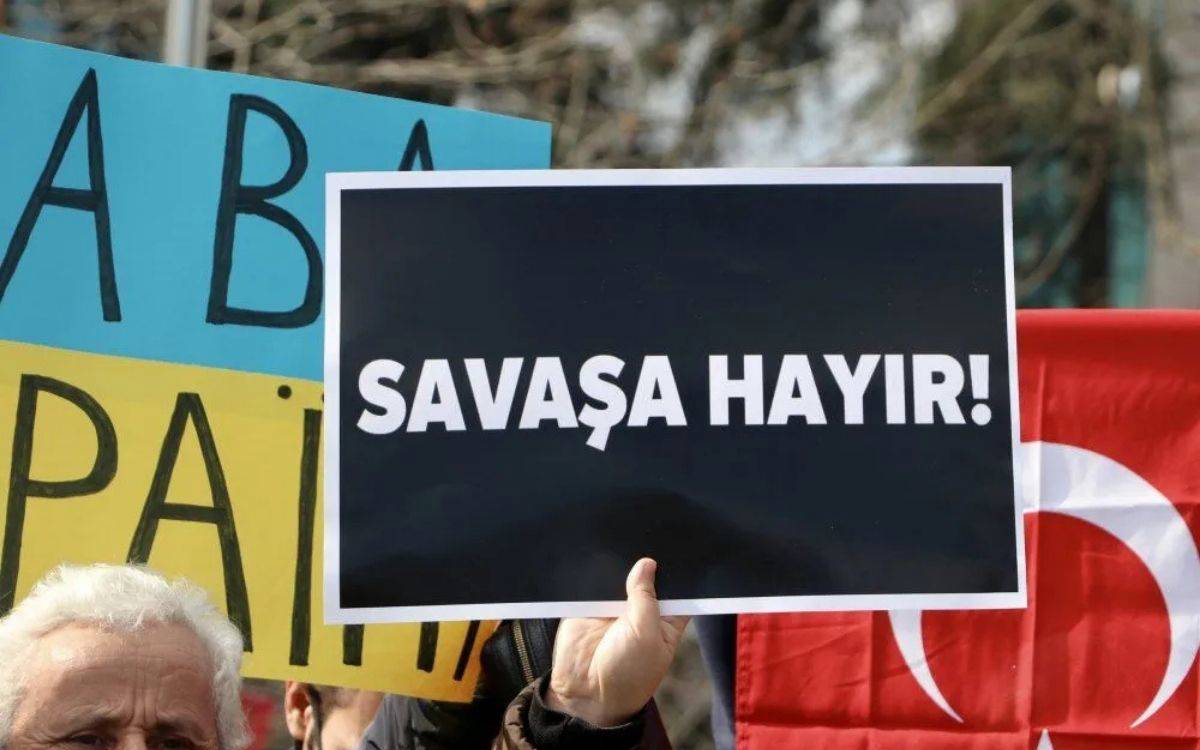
(1105, 654)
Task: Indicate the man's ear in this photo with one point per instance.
(296, 709)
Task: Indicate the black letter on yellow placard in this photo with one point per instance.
(352, 635)
(417, 148)
(94, 199)
(237, 198)
(427, 646)
(21, 486)
(352, 645)
(464, 656)
(189, 407)
(302, 592)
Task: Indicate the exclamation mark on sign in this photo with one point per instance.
(981, 413)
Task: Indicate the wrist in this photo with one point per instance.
(585, 708)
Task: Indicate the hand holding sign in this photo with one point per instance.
(605, 671)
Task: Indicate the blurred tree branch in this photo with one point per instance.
(1067, 91)
(652, 83)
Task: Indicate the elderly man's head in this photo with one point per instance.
(118, 658)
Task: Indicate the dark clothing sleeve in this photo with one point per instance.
(412, 724)
(507, 711)
(550, 730)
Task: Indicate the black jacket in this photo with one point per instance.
(514, 658)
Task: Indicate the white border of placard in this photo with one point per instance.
(335, 183)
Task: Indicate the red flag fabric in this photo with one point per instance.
(264, 710)
(1105, 655)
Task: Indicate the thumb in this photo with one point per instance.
(642, 601)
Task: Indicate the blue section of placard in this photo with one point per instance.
(164, 133)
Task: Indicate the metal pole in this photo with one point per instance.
(185, 38)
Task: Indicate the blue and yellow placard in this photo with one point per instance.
(160, 336)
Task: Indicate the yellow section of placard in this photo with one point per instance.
(213, 475)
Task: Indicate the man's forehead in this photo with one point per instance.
(84, 643)
(88, 665)
(83, 676)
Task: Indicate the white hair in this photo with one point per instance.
(122, 598)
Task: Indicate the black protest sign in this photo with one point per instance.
(795, 389)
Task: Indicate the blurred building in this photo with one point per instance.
(1174, 267)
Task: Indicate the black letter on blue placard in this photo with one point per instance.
(417, 148)
(21, 487)
(237, 198)
(189, 407)
(94, 199)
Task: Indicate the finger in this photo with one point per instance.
(578, 636)
(678, 622)
(642, 601)
(640, 581)
(585, 623)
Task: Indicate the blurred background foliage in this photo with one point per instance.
(1068, 93)
(1075, 95)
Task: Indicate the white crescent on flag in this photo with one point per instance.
(1082, 484)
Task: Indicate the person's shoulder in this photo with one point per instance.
(384, 732)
